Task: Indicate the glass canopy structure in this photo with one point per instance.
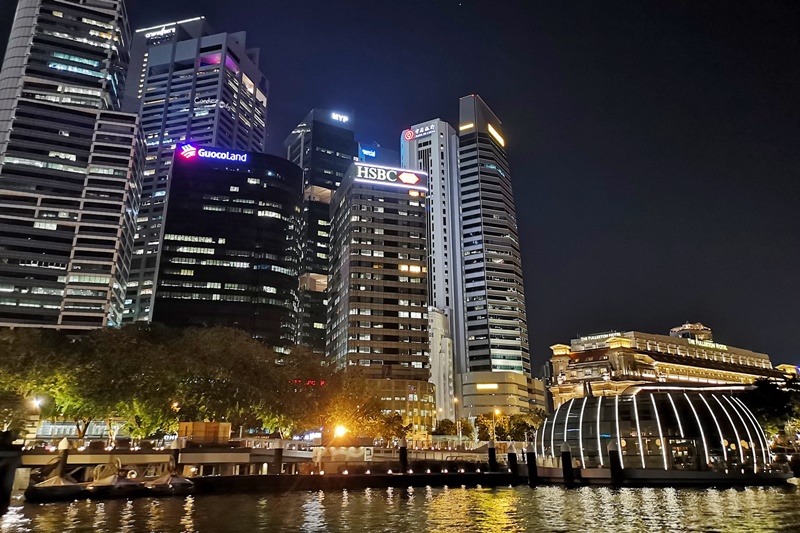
(658, 427)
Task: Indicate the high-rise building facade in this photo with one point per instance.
(432, 147)
(378, 290)
(375, 154)
(193, 86)
(231, 245)
(70, 166)
(323, 145)
(497, 330)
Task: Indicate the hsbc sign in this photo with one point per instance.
(391, 176)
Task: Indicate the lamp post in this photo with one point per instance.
(494, 424)
(458, 420)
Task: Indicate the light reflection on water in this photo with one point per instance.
(447, 510)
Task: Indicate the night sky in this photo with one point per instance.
(653, 145)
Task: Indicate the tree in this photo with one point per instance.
(483, 423)
(446, 427)
(13, 411)
(776, 406)
(391, 427)
(351, 402)
(523, 426)
(467, 431)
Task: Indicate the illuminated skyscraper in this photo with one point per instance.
(193, 85)
(231, 244)
(432, 147)
(324, 147)
(378, 292)
(497, 330)
(70, 166)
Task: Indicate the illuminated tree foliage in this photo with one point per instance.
(519, 427)
(153, 377)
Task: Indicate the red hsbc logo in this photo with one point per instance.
(408, 178)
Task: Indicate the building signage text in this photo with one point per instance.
(391, 176)
(160, 33)
(213, 102)
(188, 151)
(708, 344)
(339, 117)
(422, 131)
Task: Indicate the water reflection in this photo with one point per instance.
(187, 519)
(448, 510)
(314, 512)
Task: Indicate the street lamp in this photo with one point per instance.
(458, 420)
(339, 431)
(494, 424)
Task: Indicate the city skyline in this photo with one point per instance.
(679, 159)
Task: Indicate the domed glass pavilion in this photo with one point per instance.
(659, 427)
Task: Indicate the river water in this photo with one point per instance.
(428, 509)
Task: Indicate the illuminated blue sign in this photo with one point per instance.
(369, 153)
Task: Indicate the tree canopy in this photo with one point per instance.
(776, 406)
(154, 377)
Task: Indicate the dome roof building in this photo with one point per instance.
(659, 427)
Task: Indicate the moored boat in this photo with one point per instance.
(170, 485)
(55, 489)
(115, 486)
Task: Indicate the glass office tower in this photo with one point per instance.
(70, 166)
(231, 245)
(323, 145)
(193, 85)
(497, 330)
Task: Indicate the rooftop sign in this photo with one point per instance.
(189, 151)
(396, 177)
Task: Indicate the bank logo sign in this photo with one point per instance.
(396, 177)
(188, 151)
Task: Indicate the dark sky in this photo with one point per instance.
(653, 145)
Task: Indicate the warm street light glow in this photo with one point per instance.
(339, 431)
(37, 403)
(497, 411)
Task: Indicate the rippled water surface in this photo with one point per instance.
(429, 509)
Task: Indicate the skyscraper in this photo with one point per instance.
(432, 147)
(70, 166)
(231, 244)
(497, 330)
(378, 292)
(323, 145)
(192, 86)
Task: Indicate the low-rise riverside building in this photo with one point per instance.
(608, 363)
(510, 393)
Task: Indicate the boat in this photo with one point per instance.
(115, 486)
(170, 485)
(55, 489)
